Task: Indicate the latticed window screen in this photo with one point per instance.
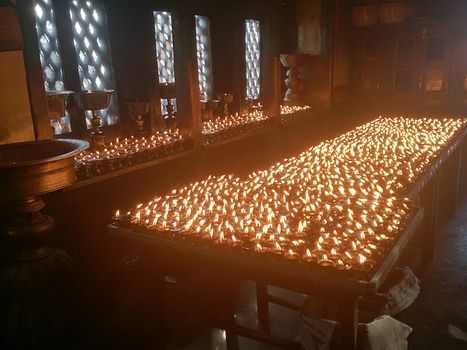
(49, 53)
(203, 52)
(90, 38)
(164, 51)
(252, 58)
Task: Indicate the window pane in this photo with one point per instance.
(164, 52)
(203, 52)
(252, 58)
(49, 54)
(91, 43)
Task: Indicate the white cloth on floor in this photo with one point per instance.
(403, 294)
(387, 333)
(316, 328)
(316, 333)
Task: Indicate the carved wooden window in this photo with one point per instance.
(203, 53)
(252, 58)
(90, 38)
(164, 52)
(49, 53)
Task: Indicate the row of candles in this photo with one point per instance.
(128, 151)
(340, 204)
(290, 112)
(125, 152)
(220, 128)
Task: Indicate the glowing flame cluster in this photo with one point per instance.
(233, 121)
(339, 204)
(122, 148)
(293, 109)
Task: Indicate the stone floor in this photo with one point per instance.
(442, 301)
(443, 296)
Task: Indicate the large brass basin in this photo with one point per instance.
(29, 169)
(93, 100)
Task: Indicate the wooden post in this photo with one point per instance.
(132, 37)
(186, 76)
(37, 95)
(430, 203)
(263, 306)
(459, 175)
(348, 309)
(270, 63)
(69, 63)
(276, 89)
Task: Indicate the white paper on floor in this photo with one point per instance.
(457, 333)
(403, 294)
(316, 333)
(316, 328)
(386, 333)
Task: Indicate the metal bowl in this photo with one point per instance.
(167, 90)
(93, 100)
(56, 102)
(225, 97)
(37, 167)
(292, 60)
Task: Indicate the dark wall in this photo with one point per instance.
(442, 8)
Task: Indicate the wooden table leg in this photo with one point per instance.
(459, 157)
(262, 301)
(228, 313)
(431, 227)
(348, 312)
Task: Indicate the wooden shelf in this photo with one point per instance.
(116, 173)
(123, 171)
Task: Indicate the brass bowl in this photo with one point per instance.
(292, 60)
(29, 169)
(56, 102)
(93, 100)
(225, 97)
(212, 104)
(167, 90)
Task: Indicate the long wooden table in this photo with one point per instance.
(341, 287)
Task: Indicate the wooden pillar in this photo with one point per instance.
(228, 47)
(430, 204)
(132, 38)
(459, 156)
(69, 63)
(348, 309)
(262, 301)
(270, 62)
(186, 76)
(37, 95)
